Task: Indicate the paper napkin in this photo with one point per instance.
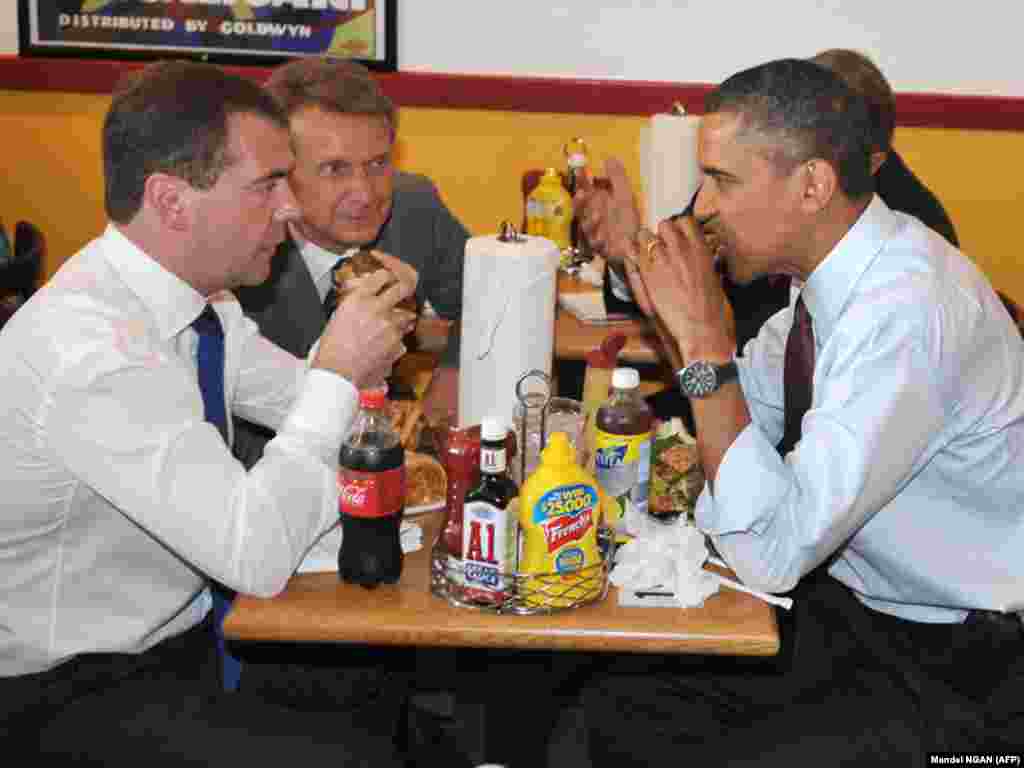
(667, 560)
(588, 306)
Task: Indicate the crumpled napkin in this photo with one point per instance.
(666, 558)
(323, 554)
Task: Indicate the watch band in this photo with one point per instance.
(702, 378)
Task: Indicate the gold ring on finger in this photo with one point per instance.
(651, 252)
(647, 241)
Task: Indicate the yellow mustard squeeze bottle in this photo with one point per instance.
(558, 519)
(549, 210)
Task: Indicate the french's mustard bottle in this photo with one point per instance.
(558, 519)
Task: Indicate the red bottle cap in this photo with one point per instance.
(373, 398)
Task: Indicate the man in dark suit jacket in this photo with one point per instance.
(351, 196)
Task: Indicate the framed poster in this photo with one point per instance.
(224, 31)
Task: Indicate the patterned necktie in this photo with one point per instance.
(210, 361)
(798, 376)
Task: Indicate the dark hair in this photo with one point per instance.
(807, 111)
(172, 117)
(861, 74)
(333, 84)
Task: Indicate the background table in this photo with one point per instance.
(320, 608)
(574, 338)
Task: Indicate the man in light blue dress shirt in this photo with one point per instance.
(897, 520)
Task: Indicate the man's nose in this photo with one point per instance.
(360, 186)
(703, 204)
(287, 206)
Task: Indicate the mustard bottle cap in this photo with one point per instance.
(558, 450)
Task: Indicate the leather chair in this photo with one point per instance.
(20, 269)
(29, 253)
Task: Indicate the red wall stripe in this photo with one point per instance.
(526, 94)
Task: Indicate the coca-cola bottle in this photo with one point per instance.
(372, 496)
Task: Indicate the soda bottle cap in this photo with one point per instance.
(373, 398)
(493, 428)
(558, 450)
(625, 378)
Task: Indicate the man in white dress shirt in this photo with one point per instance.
(897, 518)
(120, 501)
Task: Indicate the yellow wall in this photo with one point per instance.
(50, 146)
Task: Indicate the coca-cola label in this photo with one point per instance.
(371, 494)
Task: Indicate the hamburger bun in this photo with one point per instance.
(425, 480)
(361, 263)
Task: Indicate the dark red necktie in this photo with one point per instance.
(799, 375)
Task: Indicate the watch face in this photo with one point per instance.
(698, 379)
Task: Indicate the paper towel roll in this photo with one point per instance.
(508, 322)
(668, 165)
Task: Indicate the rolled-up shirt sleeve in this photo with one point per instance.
(874, 422)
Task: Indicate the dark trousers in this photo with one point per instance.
(855, 688)
(166, 707)
(521, 696)
(404, 691)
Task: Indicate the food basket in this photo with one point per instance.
(527, 593)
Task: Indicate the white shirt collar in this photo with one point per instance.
(829, 286)
(173, 302)
(319, 261)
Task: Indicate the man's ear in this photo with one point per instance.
(820, 184)
(169, 198)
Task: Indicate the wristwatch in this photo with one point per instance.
(701, 378)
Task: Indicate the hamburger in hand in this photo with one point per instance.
(361, 263)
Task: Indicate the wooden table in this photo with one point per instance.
(574, 338)
(320, 608)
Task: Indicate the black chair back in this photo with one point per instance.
(1016, 313)
(29, 252)
(20, 269)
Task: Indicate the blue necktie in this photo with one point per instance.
(210, 360)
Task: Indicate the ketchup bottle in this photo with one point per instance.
(372, 496)
(461, 462)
